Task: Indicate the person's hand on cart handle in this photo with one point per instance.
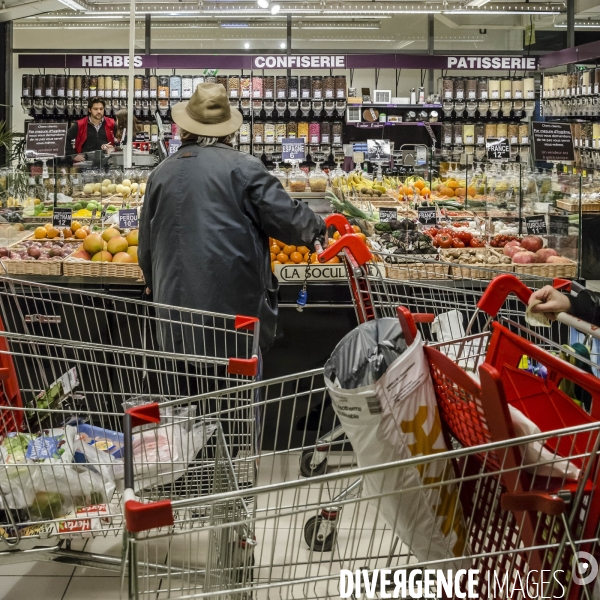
(551, 302)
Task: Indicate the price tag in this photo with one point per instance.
(388, 214)
(62, 217)
(558, 225)
(292, 149)
(536, 225)
(497, 149)
(427, 215)
(128, 218)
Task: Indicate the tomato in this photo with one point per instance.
(458, 243)
(443, 240)
(465, 236)
(476, 243)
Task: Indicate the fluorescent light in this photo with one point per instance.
(73, 4)
(477, 3)
(584, 25)
(234, 25)
(263, 3)
(246, 45)
(282, 45)
(341, 26)
(275, 9)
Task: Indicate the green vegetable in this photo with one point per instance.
(386, 227)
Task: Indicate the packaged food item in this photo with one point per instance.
(292, 86)
(257, 87)
(269, 87)
(340, 86)
(281, 87)
(303, 131)
(314, 133)
(233, 86)
(329, 87)
(245, 86)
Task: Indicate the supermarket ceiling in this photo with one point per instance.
(459, 24)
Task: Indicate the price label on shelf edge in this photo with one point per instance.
(536, 225)
(62, 217)
(128, 218)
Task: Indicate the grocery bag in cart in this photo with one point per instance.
(383, 395)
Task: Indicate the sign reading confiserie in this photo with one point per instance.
(306, 61)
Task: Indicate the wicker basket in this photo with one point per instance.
(549, 270)
(87, 268)
(417, 270)
(32, 267)
(574, 206)
(483, 271)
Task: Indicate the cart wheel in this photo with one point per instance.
(310, 535)
(306, 470)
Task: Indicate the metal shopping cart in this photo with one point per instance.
(517, 509)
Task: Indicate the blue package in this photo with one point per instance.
(45, 447)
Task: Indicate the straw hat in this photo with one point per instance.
(208, 112)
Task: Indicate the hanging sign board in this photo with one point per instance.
(536, 225)
(45, 139)
(293, 149)
(379, 150)
(553, 142)
(559, 225)
(427, 215)
(128, 218)
(388, 214)
(497, 149)
(62, 217)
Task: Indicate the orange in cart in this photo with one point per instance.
(283, 258)
(289, 250)
(296, 257)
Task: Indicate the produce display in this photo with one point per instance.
(112, 245)
(282, 253)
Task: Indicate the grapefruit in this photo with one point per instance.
(81, 234)
(109, 234)
(93, 243)
(102, 256)
(40, 233)
(81, 254)
(117, 244)
(122, 257)
(132, 251)
(132, 237)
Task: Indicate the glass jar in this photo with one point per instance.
(71, 86)
(317, 87)
(325, 132)
(523, 133)
(163, 86)
(108, 86)
(517, 88)
(491, 130)
(585, 82)
(222, 80)
(459, 88)
(592, 81)
(505, 88)
(297, 180)
(457, 132)
(269, 132)
(123, 83)
(479, 133)
(281, 87)
(502, 130)
(314, 133)
(340, 86)
(269, 87)
(337, 129)
(597, 81)
(468, 133)
(329, 87)
(210, 79)
(61, 86)
(292, 86)
(50, 86)
(529, 88)
(99, 91)
(471, 88)
(93, 86)
(85, 86)
(233, 86)
(494, 88)
(245, 133)
(257, 87)
(447, 132)
(447, 88)
(198, 79)
(245, 87)
(305, 87)
(303, 131)
(280, 131)
(187, 86)
(137, 86)
(280, 174)
(292, 129)
(513, 133)
(259, 133)
(27, 86)
(318, 180)
(175, 87)
(482, 88)
(39, 85)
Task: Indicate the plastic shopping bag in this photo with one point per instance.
(384, 398)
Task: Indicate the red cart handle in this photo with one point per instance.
(354, 245)
(408, 322)
(339, 222)
(499, 290)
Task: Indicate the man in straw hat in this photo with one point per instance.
(208, 213)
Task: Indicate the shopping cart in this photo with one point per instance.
(515, 513)
(50, 386)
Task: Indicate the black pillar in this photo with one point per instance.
(288, 43)
(148, 37)
(6, 58)
(570, 29)
(430, 49)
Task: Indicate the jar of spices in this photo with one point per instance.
(187, 86)
(269, 87)
(280, 131)
(281, 87)
(292, 85)
(145, 86)
(77, 90)
(340, 86)
(505, 88)
(100, 91)
(93, 86)
(517, 88)
(175, 86)
(482, 88)
(245, 86)
(468, 133)
(491, 130)
(513, 133)
(523, 133)
(163, 86)
(71, 86)
(529, 88)
(502, 130)
(459, 88)
(585, 82)
(233, 86)
(325, 132)
(222, 80)
(317, 87)
(269, 133)
(108, 86)
(448, 88)
(494, 88)
(457, 133)
(303, 131)
(152, 86)
(39, 85)
(479, 133)
(336, 133)
(592, 81)
(257, 87)
(137, 86)
(61, 86)
(259, 132)
(328, 87)
(292, 129)
(197, 80)
(597, 81)
(50, 86)
(314, 133)
(245, 133)
(27, 86)
(85, 86)
(471, 88)
(305, 87)
(210, 79)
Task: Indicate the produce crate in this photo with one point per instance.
(32, 267)
(415, 270)
(479, 270)
(74, 267)
(550, 270)
(574, 206)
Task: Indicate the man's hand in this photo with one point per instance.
(108, 148)
(79, 158)
(552, 302)
(148, 291)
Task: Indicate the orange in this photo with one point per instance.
(272, 266)
(408, 191)
(53, 232)
(67, 233)
(471, 191)
(336, 235)
(81, 234)
(282, 258)
(362, 236)
(40, 233)
(314, 259)
(335, 259)
(451, 183)
(331, 242)
(273, 256)
(296, 257)
(280, 244)
(302, 249)
(75, 225)
(277, 262)
(419, 184)
(306, 255)
(449, 192)
(48, 226)
(356, 229)
(275, 249)
(289, 249)
(425, 191)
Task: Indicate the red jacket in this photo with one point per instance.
(82, 128)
